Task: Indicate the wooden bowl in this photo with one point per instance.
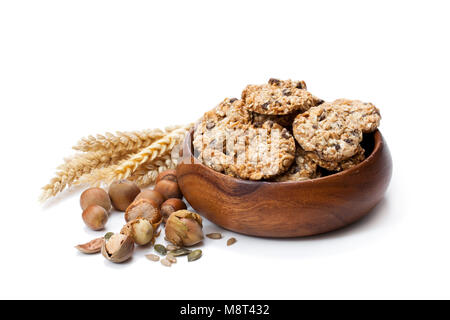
(287, 209)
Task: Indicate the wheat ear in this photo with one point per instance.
(75, 167)
(126, 168)
(146, 174)
(129, 140)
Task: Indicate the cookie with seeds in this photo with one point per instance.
(261, 153)
(338, 166)
(329, 131)
(277, 97)
(365, 114)
(303, 168)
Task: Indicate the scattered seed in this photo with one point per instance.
(166, 262)
(160, 249)
(214, 235)
(171, 258)
(231, 241)
(108, 235)
(152, 257)
(194, 255)
(172, 247)
(180, 252)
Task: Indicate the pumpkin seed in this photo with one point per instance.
(160, 249)
(166, 262)
(214, 235)
(231, 241)
(172, 247)
(108, 235)
(152, 257)
(180, 252)
(194, 255)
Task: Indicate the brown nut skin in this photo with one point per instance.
(143, 208)
(118, 248)
(151, 195)
(123, 193)
(169, 189)
(170, 206)
(96, 196)
(95, 217)
(184, 228)
(170, 175)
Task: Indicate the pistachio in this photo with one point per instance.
(160, 249)
(194, 255)
(140, 229)
(118, 248)
(184, 228)
(93, 246)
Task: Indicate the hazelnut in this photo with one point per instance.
(95, 217)
(184, 228)
(118, 248)
(170, 175)
(140, 229)
(170, 206)
(168, 189)
(123, 193)
(151, 195)
(143, 208)
(96, 196)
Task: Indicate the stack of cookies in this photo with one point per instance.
(281, 132)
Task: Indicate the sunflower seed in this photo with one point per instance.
(160, 249)
(171, 258)
(172, 247)
(194, 255)
(180, 252)
(231, 241)
(166, 262)
(214, 235)
(152, 257)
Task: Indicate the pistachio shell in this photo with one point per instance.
(118, 248)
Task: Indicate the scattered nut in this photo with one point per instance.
(118, 248)
(123, 193)
(96, 196)
(231, 241)
(184, 228)
(93, 246)
(170, 206)
(143, 208)
(152, 257)
(169, 189)
(214, 235)
(170, 175)
(140, 229)
(95, 217)
(151, 195)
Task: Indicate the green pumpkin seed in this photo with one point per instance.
(108, 235)
(194, 255)
(180, 252)
(160, 249)
(214, 235)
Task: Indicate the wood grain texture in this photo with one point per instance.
(287, 209)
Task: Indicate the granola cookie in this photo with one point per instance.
(335, 165)
(304, 168)
(261, 153)
(278, 97)
(329, 131)
(365, 114)
(284, 120)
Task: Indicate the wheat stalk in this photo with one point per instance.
(75, 167)
(146, 174)
(129, 140)
(124, 169)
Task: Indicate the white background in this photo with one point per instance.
(73, 68)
